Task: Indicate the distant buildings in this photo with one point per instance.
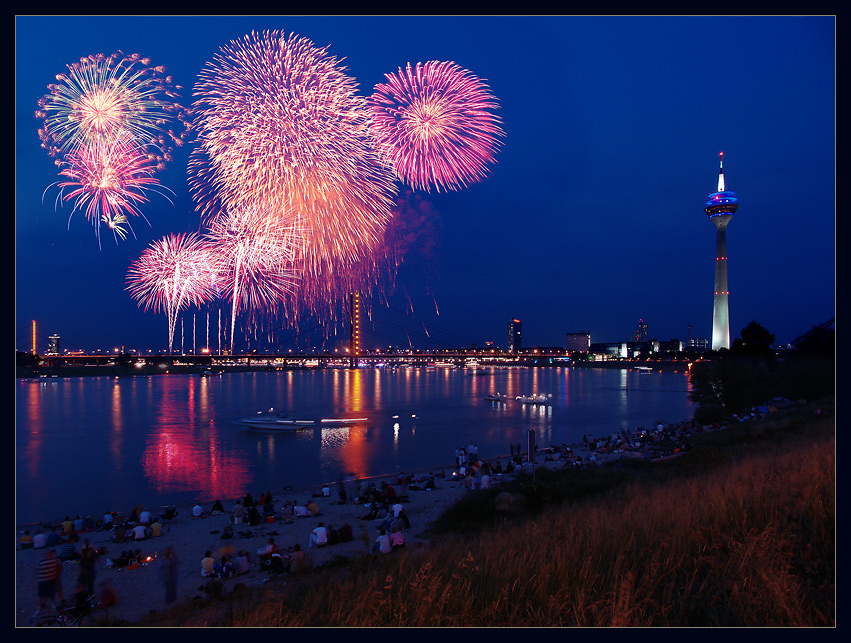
(515, 342)
(640, 344)
(53, 345)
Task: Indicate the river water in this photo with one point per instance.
(91, 444)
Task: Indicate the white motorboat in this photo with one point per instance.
(542, 399)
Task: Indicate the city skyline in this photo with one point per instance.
(591, 217)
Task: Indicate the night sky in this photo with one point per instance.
(591, 219)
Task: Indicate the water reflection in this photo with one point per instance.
(176, 435)
(181, 455)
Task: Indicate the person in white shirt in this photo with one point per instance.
(382, 543)
(145, 517)
(140, 532)
(319, 536)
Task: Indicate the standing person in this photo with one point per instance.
(49, 578)
(88, 568)
(168, 572)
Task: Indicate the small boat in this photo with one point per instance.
(209, 373)
(499, 397)
(275, 422)
(541, 399)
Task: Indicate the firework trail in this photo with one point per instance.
(172, 274)
(433, 123)
(281, 126)
(253, 258)
(105, 96)
(107, 179)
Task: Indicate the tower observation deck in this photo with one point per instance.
(720, 206)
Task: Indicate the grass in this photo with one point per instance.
(740, 532)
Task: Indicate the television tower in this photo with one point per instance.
(720, 206)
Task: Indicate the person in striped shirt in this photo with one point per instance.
(49, 578)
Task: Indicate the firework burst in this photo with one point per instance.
(108, 180)
(281, 125)
(172, 274)
(434, 124)
(253, 258)
(105, 96)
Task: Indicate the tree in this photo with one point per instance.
(738, 379)
(755, 341)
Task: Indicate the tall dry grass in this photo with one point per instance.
(750, 543)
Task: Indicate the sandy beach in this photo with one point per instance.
(141, 590)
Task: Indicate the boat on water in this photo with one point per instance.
(542, 399)
(275, 423)
(498, 397)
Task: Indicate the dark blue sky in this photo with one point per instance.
(592, 217)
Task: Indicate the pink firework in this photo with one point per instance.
(108, 180)
(172, 274)
(280, 125)
(434, 124)
(253, 258)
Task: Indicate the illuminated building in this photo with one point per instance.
(514, 340)
(53, 345)
(640, 334)
(354, 333)
(720, 206)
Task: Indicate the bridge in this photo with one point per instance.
(289, 360)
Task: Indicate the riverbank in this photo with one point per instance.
(140, 591)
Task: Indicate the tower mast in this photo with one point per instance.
(720, 207)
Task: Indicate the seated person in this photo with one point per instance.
(242, 563)
(53, 539)
(298, 564)
(119, 534)
(145, 518)
(382, 543)
(69, 550)
(156, 529)
(268, 509)
(254, 517)
(107, 521)
(345, 532)
(27, 540)
(198, 511)
(265, 553)
(140, 532)
(333, 536)
(208, 564)
(225, 568)
(312, 507)
(300, 512)
(218, 508)
(170, 513)
(67, 525)
(397, 540)
(40, 540)
(78, 523)
(319, 536)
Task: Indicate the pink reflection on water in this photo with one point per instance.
(185, 454)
